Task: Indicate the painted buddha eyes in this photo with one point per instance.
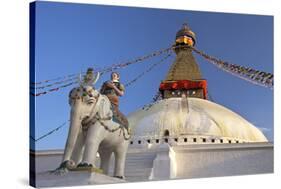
(179, 93)
(176, 93)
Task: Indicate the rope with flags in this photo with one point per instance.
(137, 60)
(245, 73)
(251, 75)
(55, 79)
(157, 97)
(49, 133)
(147, 71)
(52, 84)
(127, 84)
(53, 89)
(102, 71)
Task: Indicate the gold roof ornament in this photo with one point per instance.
(185, 36)
(185, 66)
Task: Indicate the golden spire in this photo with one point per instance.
(185, 66)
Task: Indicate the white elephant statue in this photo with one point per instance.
(92, 130)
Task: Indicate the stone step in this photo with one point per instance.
(145, 171)
(136, 170)
(134, 166)
(139, 169)
(138, 174)
(150, 161)
(140, 158)
(141, 154)
(136, 179)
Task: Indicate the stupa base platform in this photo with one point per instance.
(73, 178)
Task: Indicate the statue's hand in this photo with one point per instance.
(64, 168)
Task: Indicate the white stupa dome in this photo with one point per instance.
(192, 116)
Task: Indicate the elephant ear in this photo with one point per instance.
(104, 109)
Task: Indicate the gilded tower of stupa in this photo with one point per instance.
(184, 77)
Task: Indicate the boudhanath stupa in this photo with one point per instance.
(185, 110)
(183, 135)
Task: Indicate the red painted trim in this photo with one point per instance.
(184, 84)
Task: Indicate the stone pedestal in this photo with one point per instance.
(73, 178)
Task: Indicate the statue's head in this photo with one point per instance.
(85, 94)
(84, 97)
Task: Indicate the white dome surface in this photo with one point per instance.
(192, 116)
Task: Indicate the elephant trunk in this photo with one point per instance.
(75, 125)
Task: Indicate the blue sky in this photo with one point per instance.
(72, 37)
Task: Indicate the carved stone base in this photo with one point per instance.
(73, 178)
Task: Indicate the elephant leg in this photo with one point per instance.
(120, 157)
(78, 150)
(105, 157)
(95, 135)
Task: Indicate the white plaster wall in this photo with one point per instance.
(222, 160)
(138, 167)
(190, 161)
